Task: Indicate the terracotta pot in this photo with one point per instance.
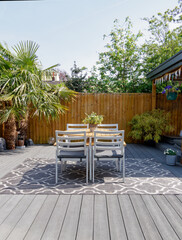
(20, 142)
(92, 127)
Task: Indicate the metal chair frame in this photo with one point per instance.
(69, 142)
(114, 140)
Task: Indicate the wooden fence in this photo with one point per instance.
(116, 108)
(175, 108)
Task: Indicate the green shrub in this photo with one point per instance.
(150, 125)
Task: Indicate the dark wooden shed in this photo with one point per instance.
(171, 69)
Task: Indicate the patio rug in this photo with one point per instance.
(143, 176)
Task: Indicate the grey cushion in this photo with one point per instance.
(108, 154)
(71, 154)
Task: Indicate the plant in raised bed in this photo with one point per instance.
(150, 125)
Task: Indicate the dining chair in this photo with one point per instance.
(109, 146)
(71, 146)
(108, 126)
(72, 126)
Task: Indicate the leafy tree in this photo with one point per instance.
(77, 81)
(163, 42)
(120, 62)
(124, 64)
(22, 90)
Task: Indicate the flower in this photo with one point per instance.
(168, 87)
(171, 87)
(169, 151)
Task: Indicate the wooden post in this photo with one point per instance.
(153, 95)
(181, 146)
(181, 151)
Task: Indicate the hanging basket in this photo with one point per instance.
(172, 95)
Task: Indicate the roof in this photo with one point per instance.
(169, 65)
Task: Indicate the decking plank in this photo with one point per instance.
(15, 215)
(116, 224)
(38, 226)
(176, 203)
(70, 223)
(8, 207)
(86, 218)
(132, 226)
(179, 197)
(146, 222)
(27, 219)
(161, 222)
(54, 225)
(171, 214)
(11, 159)
(101, 227)
(4, 199)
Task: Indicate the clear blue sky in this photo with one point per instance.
(69, 30)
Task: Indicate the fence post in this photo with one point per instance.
(153, 95)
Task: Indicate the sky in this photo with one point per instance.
(72, 30)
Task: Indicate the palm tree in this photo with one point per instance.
(23, 91)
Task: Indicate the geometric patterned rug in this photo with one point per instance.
(143, 176)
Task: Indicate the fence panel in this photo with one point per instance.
(116, 108)
(175, 108)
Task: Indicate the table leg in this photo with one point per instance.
(90, 156)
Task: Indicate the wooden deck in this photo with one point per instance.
(85, 217)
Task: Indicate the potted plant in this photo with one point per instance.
(93, 120)
(171, 91)
(20, 141)
(150, 125)
(170, 157)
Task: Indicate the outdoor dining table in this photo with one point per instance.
(90, 136)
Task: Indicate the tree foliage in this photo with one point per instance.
(164, 40)
(123, 66)
(77, 81)
(22, 87)
(120, 62)
(22, 90)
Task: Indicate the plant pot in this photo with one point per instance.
(171, 160)
(150, 143)
(92, 127)
(172, 95)
(20, 142)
